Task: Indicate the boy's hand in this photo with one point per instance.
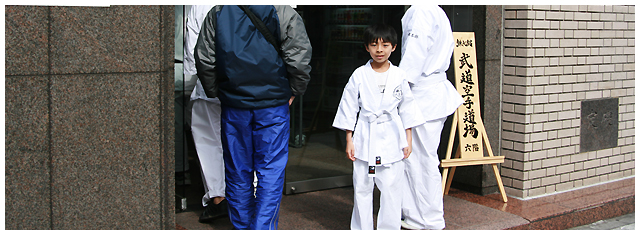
(407, 151)
(351, 150)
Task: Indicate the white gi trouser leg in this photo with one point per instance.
(205, 127)
(388, 180)
(422, 205)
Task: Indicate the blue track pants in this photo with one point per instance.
(255, 140)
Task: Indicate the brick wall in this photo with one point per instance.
(554, 58)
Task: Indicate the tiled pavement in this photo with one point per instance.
(624, 222)
(331, 209)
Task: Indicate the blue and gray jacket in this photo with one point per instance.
(239, 66)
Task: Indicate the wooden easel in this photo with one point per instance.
(471, 131)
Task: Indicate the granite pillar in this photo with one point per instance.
(89, 117)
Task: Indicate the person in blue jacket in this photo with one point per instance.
(255, 85)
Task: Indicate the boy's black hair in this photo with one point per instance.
(377, 31)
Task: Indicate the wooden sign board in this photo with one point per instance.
(466, 72)
(466, 119)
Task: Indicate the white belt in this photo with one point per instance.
(432, 79)
(374, 119)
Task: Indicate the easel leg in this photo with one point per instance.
(445, 172)
(446, 189)
(499, 179)
(447, 185)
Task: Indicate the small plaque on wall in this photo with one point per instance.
(598, 124)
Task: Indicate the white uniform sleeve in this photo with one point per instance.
(348, 108)
(194, 22)
(416, 41)
(408, 108)
(427, 42)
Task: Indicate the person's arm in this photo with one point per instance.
(407, 150)
(296, 48)
(351, 150)
(205, 55)
(417, 40)
(194, 21)
(347, 114)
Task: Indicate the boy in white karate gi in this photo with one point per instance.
(378, 102)
(427, 45)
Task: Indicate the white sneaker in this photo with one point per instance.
(405, 225)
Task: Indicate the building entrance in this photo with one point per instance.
(317, 159)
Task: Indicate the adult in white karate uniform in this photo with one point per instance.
(205, 124)
(378, 102)
(427, 46)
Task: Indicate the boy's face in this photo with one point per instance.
(380, 50)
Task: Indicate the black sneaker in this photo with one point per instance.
(213, 211)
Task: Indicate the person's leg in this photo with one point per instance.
(388, 180)
(238, 154)
(362, 214)
(205, 127)
(422, 205)
(271, 146)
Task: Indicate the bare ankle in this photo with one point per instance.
(217, 200)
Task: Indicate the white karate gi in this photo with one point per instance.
(205, 118)
(427, 46)
(378, 138)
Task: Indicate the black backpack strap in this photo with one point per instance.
(262, 28)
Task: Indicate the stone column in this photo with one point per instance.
(89, 117)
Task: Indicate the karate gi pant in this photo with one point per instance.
(255, 140)
(388, 180)
(205, 127)
(422, 184)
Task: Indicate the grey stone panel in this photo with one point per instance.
(492, 92)
(26, 40)
(598, 124)
(27, 159)
(106, 149)
(89, 150)
(493, 32)
(105, 39)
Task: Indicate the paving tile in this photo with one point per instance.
(462, 214)
(627, 219)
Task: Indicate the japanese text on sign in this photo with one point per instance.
(460, 43)
(466, 84)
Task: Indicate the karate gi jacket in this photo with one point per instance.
(427, 46)
(379, 124)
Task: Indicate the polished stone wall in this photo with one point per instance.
(89, 117)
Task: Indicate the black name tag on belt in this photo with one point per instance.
(372, 169)
(378, 160)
